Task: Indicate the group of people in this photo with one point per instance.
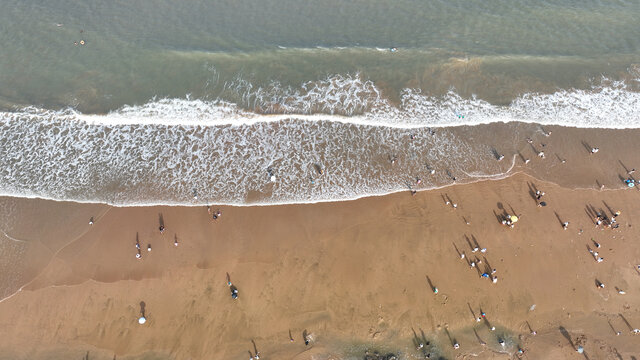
(604, 222)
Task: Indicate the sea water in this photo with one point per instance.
(271, 102)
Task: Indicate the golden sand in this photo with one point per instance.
(355, 275)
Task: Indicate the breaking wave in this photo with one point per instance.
(328, 140)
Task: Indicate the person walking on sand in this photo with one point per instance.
(305, 337)
(565, 225)
(234, 290)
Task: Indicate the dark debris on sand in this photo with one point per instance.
(377, 356)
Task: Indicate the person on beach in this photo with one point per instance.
(161, 228)
(91, 221)
(539, 195)
(149, 247)
(598, 221)
(541, 154)
(138, 255)
(234, 290)
(565, 225)
(594, 150)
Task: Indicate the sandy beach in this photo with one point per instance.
(356, 275)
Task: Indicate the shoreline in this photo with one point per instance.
(565, 165)
(342, 228)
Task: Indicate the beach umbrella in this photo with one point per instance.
(514, 218)
(142, 320)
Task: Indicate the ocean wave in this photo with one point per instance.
(193, 152)
(351, 99)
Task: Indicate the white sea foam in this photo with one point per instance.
(160, 152)
(350, 99)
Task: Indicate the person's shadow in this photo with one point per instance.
(161, 222)
(565, 333)
(143, 309)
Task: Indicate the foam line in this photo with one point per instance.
(160, 152)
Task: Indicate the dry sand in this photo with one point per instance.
(353, 274)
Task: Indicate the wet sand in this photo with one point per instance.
(354, 274)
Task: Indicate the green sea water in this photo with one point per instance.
(136, 50)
